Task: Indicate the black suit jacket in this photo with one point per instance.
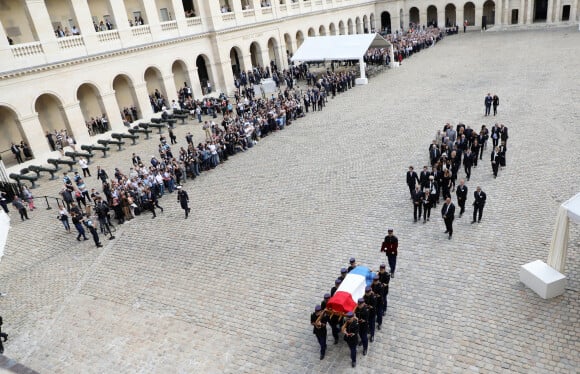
(450, 212)
(412, 178)
(461, 192)
(480, 198)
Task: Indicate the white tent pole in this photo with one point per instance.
(361, 62)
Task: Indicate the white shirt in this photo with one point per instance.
(83, 163)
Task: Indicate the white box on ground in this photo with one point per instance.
(360, 81)
(543, 279)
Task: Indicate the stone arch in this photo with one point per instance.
(126, 98)
(51, 114)
(204, 73)
(311, 32)
(11, 130)
(450, 15)
(414, 16)
(432, 15)
(469, 13)
(91, 104)
(154, 81)
(299, 38)
(322, 30)
(372, 21)
(358, 25)
(386, 22)
(350, 26)
(341, 28)
(180, 74)
(256, 54)
(274, 52)
(237, 61)
(489, 12)
(332, 29)
(365, 24)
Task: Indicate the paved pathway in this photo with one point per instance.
(231, 289)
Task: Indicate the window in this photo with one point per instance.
(164, 15)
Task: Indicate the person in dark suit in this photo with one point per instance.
(318, 320)
(495, 161)
(478, 204)
(427, 202)
(183, 200)
(467, 163)
(417, 203)
(488, 101)
(434, 154)
(495, 135)
(461, 196)
(448, 214)
(17, 153)
(424, 177)
(475, 147)
(503, 134)
(495, 102)
(502, 155)
(412, 180)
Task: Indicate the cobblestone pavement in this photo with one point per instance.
(231, 290)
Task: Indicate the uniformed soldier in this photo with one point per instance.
(337, 283)
(325, 301)
(318, 320)
(362, 314)
(384, 278)
(350, 331)
(343, 273)
(377, 288)
(390, 245)
(372, 306)
(352, 265)
(334, 322)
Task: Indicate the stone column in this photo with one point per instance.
(143, 100)
(5, 51)
(85, 24)
(76, 121)
(549, 17)
(499, 11)
(558, 11)
(506, 16)
(283, 63)
(422, 17)
(522, 12)
(478, 15)
(170, 89)
(179, 16)
(195, 83)
(113, 112)
(574, 11)
(36, 137)
(152, 18)
(265, 57)
(440, 18)
(363, 79)
(530, 17)
(459, 17)
(247, 61)
(121, 21)
(225, 76)
(41, 22)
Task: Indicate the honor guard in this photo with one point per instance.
(352, 265)
(377, 288)
(384, 278)
(350, 331)
(337, 283)
(318, 320)
(371, 304)
(362, 314)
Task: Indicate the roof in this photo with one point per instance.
(338, 47)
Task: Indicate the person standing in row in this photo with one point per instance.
(19, 205)
(427, 203)
(417, 203)
(390, 247)
(84, 164)
(495, 102)
(495, 161)
(183, 200)
(461, 196)
(350, 331)
(412, 180)
(448, 213)
(478, 204)
(488, 101)
(318, 320)
(3, 336)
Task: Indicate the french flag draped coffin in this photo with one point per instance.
(350, 290)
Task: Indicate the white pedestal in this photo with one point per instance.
(543, 279)
(360, 81)
(394, 64)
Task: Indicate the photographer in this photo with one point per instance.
(102, 212)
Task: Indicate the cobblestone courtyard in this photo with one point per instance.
(231, 290)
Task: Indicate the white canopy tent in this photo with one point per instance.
(570, 210)
(342, 47)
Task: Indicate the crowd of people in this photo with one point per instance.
(58, 140)
(18, 150)
(99, 125)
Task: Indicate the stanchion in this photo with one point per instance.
(47, 204)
